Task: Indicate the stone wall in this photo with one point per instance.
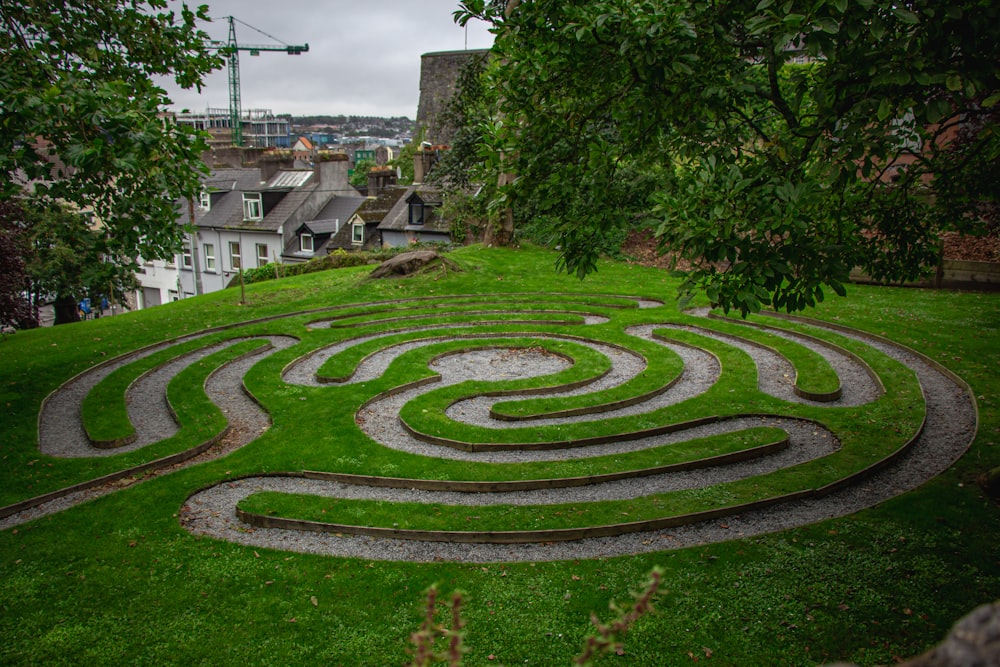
(438, 73)
(953, 274)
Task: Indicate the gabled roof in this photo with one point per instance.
(426, 195)
(333, 216)
(227, 207)
(374, 209)
(226, 184)
(306, 144)
(398, 219)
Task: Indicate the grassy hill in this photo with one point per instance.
(119, 579)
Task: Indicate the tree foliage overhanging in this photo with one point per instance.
(80, 114)
(775, 145)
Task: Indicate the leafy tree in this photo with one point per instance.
(404, 160)
(469, 113)
(471, 105)
(73, 259)
(80, 114)
(15, 306)
(360, 176)
(777, 179)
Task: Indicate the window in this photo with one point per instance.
(234, 255)
(205, 201)
(252, 209)
(358, 233)
(306, 242)
(209, 256)
(416, 213)
(186, 260)
(262, 254)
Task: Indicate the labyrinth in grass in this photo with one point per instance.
(516, 426)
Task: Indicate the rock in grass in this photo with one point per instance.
(410, 263)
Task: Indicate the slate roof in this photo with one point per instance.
(227, 186)
(338, 208)
(227, 210)
(398, 218)
(371, 212)
(375, 209)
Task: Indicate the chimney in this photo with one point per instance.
(380, 179)
(330, 169)
(424, 160)
(274, 161)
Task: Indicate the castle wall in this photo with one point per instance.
(438, 74)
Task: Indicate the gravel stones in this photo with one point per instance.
(950, 428)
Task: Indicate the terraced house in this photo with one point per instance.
(247, 218)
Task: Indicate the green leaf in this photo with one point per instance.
(884, 109)
(828, 25)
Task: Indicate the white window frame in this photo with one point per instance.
(209, 249)
(205, 200)
(186, 260)
(262, 258)
(235, 255)
(253, 208)
(358, 233)
(303, 245)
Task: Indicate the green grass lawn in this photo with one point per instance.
(119, 581)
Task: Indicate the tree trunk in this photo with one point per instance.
(502, 233)
(66, 310)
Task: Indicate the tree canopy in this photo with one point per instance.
(774, 145)
(80, 114)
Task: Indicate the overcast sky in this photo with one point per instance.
(363, 59)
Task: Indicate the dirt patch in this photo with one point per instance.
(972, 248)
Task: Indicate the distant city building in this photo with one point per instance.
(261, 128)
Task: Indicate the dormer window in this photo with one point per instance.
(416, 212)
(358, 233)
(205, 201)
(306, 243)
(252, 207)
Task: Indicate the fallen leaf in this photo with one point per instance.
(314, 601)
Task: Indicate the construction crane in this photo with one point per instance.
(231, 50)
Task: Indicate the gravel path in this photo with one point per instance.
(950, 428)
(224, 388)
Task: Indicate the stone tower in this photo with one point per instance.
(438, 74)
